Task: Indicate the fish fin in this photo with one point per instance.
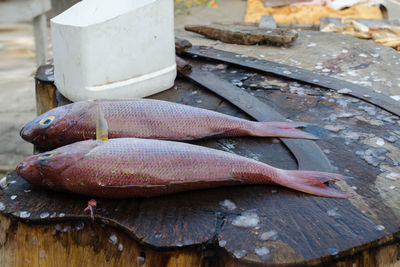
(101, 125)
(311, 182)
(280, 129)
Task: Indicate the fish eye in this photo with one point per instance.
(46, 156)
(46, 121)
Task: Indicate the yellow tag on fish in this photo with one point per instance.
(101, 125)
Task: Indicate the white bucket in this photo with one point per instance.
(114, 49)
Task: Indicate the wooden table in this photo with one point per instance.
(195, 228)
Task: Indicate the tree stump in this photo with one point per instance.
(201, 227)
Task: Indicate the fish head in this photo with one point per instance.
(49, 129)
(47, 169)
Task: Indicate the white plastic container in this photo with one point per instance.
(114, 49)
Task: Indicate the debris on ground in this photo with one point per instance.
(307, 14)
(387, 35)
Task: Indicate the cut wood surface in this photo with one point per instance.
(209, 227)
(244, 34)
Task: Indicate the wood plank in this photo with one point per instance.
(41, 42)
(45, 89)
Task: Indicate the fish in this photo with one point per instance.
(134, 167)
(147, 118)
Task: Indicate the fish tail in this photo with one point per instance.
(312, 182)
(280, 129)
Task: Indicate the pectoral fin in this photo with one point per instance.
(101, 125)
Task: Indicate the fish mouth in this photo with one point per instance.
(29, 133)
(28, 170)
(26, 132)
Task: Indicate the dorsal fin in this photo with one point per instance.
(101, 125)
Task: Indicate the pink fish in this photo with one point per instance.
(146, 118)
(131, 167)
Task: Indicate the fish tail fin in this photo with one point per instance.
(312, 182)
(280, 129)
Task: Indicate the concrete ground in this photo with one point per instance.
(17, 67)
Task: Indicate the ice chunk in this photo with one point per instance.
(247, 219)
(240, 253)
(351, 135)
(227, 204)
(24, 214)
(333, 251)
(369, 109)
(395, 97)
(270, 235)
(352, 73)
(345, 115)
(380, 141)
(44, 215)
(221, 66)
(35, 241)
(342, 102)
(287, 72)
(140, 260)
(344, 91)
(237, 82)
(334, 128)
(333, 213)
(326, 151)
(42, 254)
(263, 253)
(113, 239)
(393, 176)
(222, 243)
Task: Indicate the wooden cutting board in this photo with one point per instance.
(206, 227)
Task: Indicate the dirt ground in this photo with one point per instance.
(17, 67)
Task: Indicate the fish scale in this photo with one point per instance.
(132, 167)
(146, 118)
